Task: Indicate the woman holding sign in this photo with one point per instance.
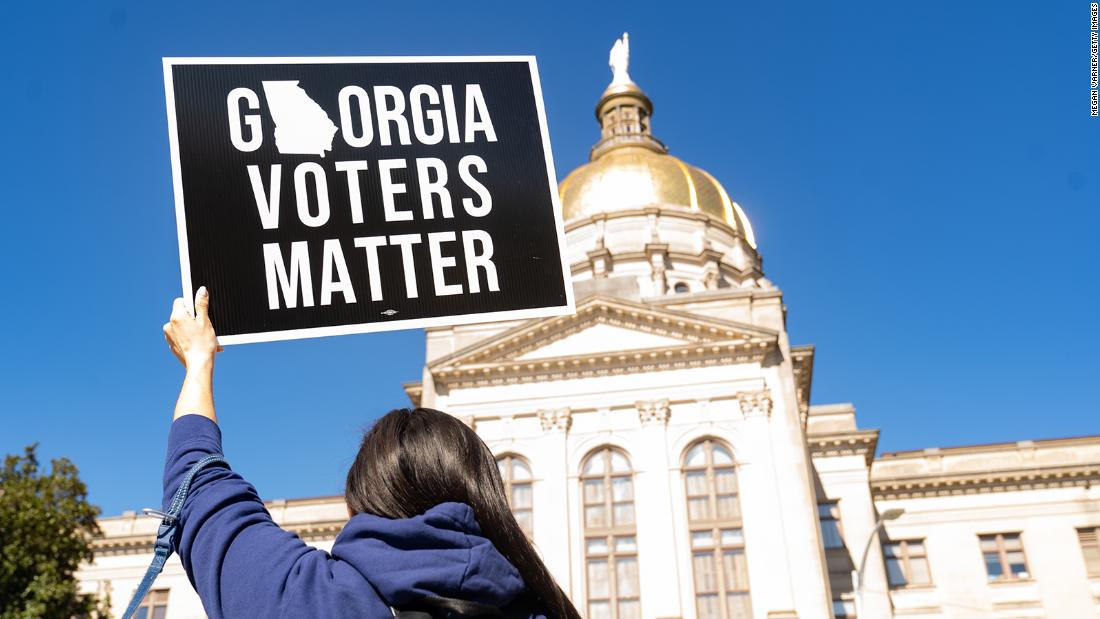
(430, 529)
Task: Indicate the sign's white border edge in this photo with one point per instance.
(397, 325)
(177, 184)
(181, 60)
(369, 327)
(552, 177)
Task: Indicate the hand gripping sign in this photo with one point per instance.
(325, 196)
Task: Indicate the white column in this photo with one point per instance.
(857, 520)
(802, 530)
(772, 576)
(552, 497)
(657, 539)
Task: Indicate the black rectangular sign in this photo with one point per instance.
(324, 196)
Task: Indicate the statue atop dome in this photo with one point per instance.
(619, 61)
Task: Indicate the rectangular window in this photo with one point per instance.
(611, 548)
(1090, 547)
(698, 493)
(612, 577)
(721, 572)
(906, 563)
(154, 606)
(1004, 556)
(516, 475)
(829, 514)
(721, 579)
(844, 609)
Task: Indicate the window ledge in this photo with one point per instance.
(924, 587)
(1011, 581)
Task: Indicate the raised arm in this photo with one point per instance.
(239, 561)
(191, 338)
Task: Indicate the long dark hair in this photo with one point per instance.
(414, 459)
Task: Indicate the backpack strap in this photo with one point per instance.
(162, 547)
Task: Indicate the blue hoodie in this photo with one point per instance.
(243, 565)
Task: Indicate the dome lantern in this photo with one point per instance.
(629, 169)
(624, 110)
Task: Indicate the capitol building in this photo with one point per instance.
(661, 449)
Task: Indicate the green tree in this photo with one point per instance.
(46, 528)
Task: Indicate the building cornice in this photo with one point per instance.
(916, 454)
(143, 544)
(1036, 478)
(602, 364)
(415, 390)
(802, 362)
(129, 545)
(720, 294)
(997, 467)
(702, 258)
(849, 443)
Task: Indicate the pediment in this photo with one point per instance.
(600, 338)
(604, 332)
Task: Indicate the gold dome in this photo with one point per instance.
(635, 177)
(630, 169)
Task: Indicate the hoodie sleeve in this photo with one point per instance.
(239, 561)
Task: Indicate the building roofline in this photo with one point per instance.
(986, 447)
(832, 408)
(269, 504)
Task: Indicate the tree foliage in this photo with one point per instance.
(46, 528)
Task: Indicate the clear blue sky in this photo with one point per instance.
(924, 180)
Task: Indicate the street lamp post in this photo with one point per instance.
(857, 575)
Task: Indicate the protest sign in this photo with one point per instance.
(326, 196)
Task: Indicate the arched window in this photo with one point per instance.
(610, 537)
(517, 478)
(717, 542)
(681, 288)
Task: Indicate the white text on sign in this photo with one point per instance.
(427, 115)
